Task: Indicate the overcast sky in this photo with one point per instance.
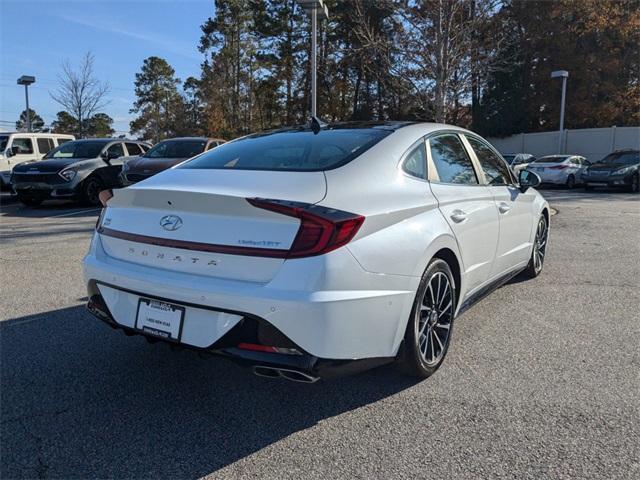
(37, 35)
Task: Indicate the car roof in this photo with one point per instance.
(39, 134)
(191, 138)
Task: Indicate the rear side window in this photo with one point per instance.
(44, 145)
(452, 163)
(63, 140)
(291, 150)
(416, 161)
(495, 170)
(133, 149)
(24, 145)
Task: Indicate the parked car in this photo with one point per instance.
(76, 170)
(519, 161)
(560, 169)
(313, 251)
(165, 155)
(18, 147)
(618, 169)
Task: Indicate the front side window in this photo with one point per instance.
(77, 149)
(115, 150)
(621, 158)
(24, 145)
(495, 170)
(416, 161)
(291, 150)
(451, 161)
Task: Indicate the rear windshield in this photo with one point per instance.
(176, 149)
(622, 158)
(291, 150)
(554, 159)
(77, 149)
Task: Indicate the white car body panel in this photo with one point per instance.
(351, 303)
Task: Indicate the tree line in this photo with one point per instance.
(482, 64)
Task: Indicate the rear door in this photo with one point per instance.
(514, 208)
(466, 204)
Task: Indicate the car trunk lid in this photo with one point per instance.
(200, 222)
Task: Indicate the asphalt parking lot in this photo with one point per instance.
(542, 379)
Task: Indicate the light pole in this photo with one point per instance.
(564, 74)
(27, 80)
(313, 8)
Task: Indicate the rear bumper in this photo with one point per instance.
(249, 330)
(319, 312)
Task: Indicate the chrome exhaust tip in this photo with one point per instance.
(292, 375)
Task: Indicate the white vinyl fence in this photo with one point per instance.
(592, 143)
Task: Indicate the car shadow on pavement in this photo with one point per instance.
(82, 400)
(53, 209)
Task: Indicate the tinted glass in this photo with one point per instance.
(416, 161)
(3, 142)
(44, 145)
(24, 144)
(495, 170)
(177, 149)
(116, 150)
(509, 158)
(451, 160)
(63, 140)
(77, 149)
(622, 158)
(291, 150)
(133, 149)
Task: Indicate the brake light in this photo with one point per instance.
(322, 229)
(559, 167)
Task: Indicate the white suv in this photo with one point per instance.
(312, 251)
(18, 147)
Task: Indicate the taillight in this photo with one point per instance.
(559, 167)
(322, 229)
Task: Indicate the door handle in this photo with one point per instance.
(504, 207)
(458, 216)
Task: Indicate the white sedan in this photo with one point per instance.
(316, 251)
(560, 169)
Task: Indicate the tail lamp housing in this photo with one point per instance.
(321, 230)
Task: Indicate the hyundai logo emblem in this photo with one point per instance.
(171, 222)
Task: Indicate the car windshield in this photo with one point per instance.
(552, 159)
(78, 149)
(291, 150)
(622, 158)
(176, 149)
(509, 158)
(3, 142)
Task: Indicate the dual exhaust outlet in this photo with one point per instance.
(293, 375)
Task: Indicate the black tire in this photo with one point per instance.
(571, 182)
(420, 354)
(539, 251)
(91, 189)
(30, 201)
(634, 187)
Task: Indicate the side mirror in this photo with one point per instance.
(108, 156)
(527, 180)
(15, 150)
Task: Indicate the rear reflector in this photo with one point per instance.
(321, 230)
(266, 348)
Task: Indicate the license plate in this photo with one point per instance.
(160, 319)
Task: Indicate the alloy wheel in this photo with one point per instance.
(540, 247)
(434, 322)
